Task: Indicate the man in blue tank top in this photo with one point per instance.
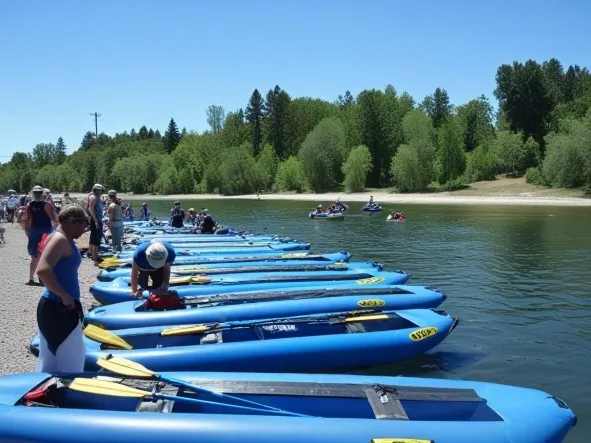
(151, 260)
(41, 218)
(59, 312)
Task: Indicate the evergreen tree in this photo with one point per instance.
(60, 151)
(151, 133)
(143, 133)
(172, 136)
(276, 113)
(87, 141)
(254, 116)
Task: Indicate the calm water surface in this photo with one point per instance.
(518, 278)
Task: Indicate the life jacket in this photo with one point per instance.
(42, 243)
(169, 301)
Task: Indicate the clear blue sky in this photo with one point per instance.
(141, 62)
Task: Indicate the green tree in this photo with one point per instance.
(356, 168)
(322, 154)
(60, 151)
(303, 116)
(437, 107)
(524, 99)
(372, 126)
(172, 136)
(215, 118)
(238, 172)
(290, 176)
(254, 118)
(476, 118)
(235, 131)
(267, 163)
(450, 153)
(510, 153)
(276, 115)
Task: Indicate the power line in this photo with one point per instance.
(96, 115)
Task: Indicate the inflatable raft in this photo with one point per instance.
(234, 268)
(330, 341)
(258, 305)
(189, 249)
(316, 408)
(371, 208)
(335, 216)
(118, 290)
(200, 259)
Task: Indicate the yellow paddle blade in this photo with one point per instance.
(201, 279)
(339, 264)
(185, 330)
(368, 317)
(103, 336)
(103, 387)
(110, 263)
(179, 280)
(124, 366)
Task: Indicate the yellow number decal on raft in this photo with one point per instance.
(370, 303)
(294, 255)
(370, 281)
(423, 333)
(399, 440)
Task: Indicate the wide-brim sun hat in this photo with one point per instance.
(37, 188)
(154, 257)
(98, 186)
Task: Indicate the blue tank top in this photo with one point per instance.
(40, 221)
(99, 209)
(66, 274)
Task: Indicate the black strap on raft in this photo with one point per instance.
(242, 297)
(384, 400)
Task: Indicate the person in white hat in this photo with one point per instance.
(151, 260)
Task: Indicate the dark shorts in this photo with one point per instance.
(33, 243)
(96, 234)
(56, 321)
(157, 277)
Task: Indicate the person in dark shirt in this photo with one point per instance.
(177, 215)
(41, 219)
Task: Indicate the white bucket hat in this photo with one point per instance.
(156, 255)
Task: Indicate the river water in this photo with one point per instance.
(518, 277)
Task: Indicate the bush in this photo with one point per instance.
(290, 176)
(535, 176)
(479, 165)
(409, 171)
(356, 168)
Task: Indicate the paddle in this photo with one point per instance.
(103, 336)
(130, 368)
(103, 387)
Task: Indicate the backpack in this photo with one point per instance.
(169, 301)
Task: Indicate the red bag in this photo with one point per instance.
(163, 302)
(41, 244)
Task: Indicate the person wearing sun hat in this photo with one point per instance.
(151, 260)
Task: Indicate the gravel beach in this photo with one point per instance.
(18, 308)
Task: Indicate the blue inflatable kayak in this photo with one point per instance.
(54, 408)
(118, 290)
(371, 208)
(328, 341)
(187, 249)
(233, 268)
(112, 262)
(258, 305)
(197, 238)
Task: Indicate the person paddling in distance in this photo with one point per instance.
(151, 260)
(59, 311)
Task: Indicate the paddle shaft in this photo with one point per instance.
(225, 405)
(216, 394)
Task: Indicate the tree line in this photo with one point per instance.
(380, 138)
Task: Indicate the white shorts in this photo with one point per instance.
(69, 357)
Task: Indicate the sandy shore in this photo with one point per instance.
(498, 192)
(18, 310)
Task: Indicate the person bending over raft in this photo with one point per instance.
(318, 210)
(208, 224)
(151, 260)
(59, 312)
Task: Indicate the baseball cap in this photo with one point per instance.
(153, 258)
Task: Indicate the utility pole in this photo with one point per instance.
(96, 115)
